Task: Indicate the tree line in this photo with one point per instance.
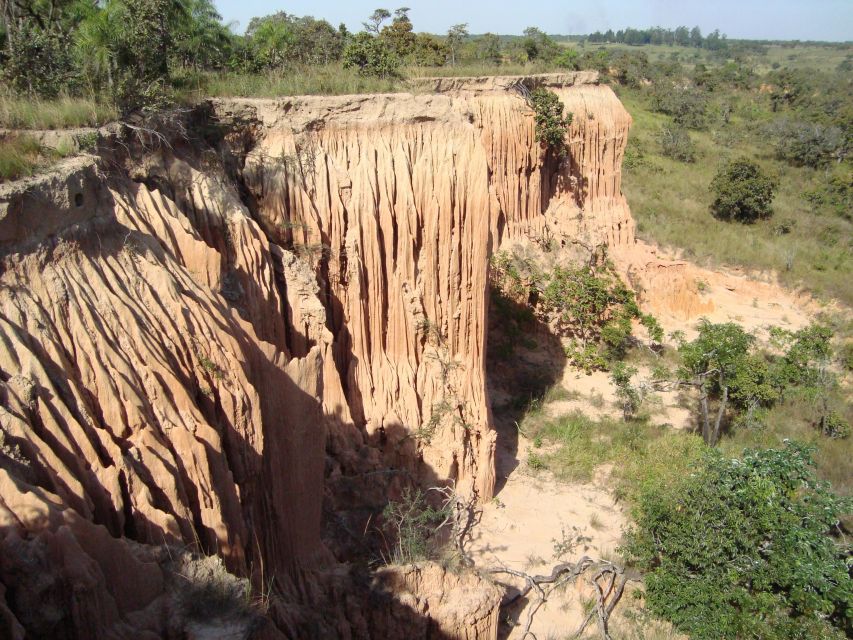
(130, 51)
(681, 36)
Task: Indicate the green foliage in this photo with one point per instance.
(371, 56)
(835, 193)
(456, 36)
(551, 126)
(806, 144)
(414, 524)
(38, 61)
(741, 548)
(538, 45)
(488, 48)
(742, 192)
(629, 395)
(399, 35)
(718, 359)
(675, 143)
(596, 308)
(687, 106)
(568, 59)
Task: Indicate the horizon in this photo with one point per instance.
(819, 21)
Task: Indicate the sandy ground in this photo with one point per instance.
(533, 512)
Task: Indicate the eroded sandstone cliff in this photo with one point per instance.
(399, 200)
(219, 338)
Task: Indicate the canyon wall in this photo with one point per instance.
(399, 200)
(224, 334)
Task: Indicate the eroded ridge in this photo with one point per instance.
(214, 334)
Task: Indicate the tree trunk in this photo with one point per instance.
(722, 410)
(706, 426)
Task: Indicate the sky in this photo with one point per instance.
(755, 19)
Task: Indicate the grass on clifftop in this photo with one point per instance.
(62, 113)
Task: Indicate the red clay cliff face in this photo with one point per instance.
(399, 200)
(197, 355)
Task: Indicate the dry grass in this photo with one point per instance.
(312, 80)
(63, 113)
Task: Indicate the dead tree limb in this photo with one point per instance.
(609, 592)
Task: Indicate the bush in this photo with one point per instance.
(741, 548)
(38, 63)
(675, 143)
(596, 308)
(742, 192)
(688, 107)
(804, 144)
(551, 126)
(372, 56)
(414, 524)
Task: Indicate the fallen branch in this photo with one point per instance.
(609, 593)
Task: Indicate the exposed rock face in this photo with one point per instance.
(170, 374)
(400, 200)
(446, 605)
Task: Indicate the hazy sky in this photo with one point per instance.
(762, 19)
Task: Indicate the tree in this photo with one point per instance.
(374, 22)
(551, 126)
(201, 40)
(804, 144)
(629, 395)
(315, 42)
(696, 37)
(595, 307)
(399, 34)
(488, 47)
(271, 38)
(143, 54)
(710, 363)
(38, 52)
(372, 56)
(538, 45)
(429, 51)
(455, 37)
(744, 548)
(742, 192)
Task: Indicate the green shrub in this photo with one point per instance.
(741, 548)
(688, 107)
(413, 523)
(742, 192)
(675, 143)
(371, 56)
(805, 144)
(38, 62)
(835, 193)
(595, 307)
(628, 395)
(551, 126)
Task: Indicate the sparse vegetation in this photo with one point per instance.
(22, 155)
(413, 525)
(61, 113)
